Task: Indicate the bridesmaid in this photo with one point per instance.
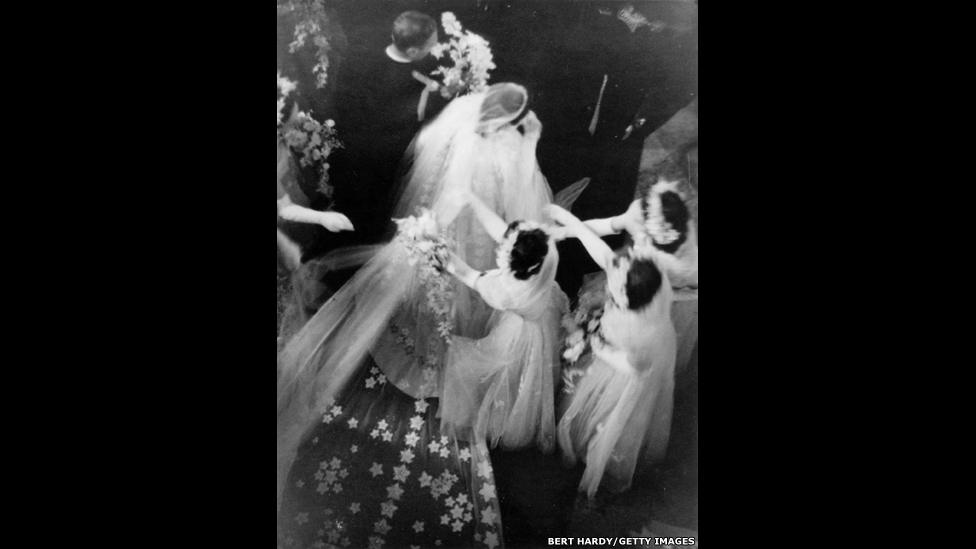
(622, 406)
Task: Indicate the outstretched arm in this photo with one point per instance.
(533, 130)
(598, 249)
(462, 271)
(629, 221)
(494, 225)
(333, 221)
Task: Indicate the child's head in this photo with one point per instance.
(414, 34)
(666, 216)
(528, 248)
(633, 282)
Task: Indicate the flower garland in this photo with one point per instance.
(313, 142)
(471, 57)
(313, 20)
(656, 225)
(285, 87)
(427, 248)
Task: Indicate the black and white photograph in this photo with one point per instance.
(487, 278)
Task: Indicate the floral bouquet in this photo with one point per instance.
(420, 236)
(471, 59)
(581, 327)
(313, 142)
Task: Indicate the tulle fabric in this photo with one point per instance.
(615, 415)
(501, 387)
(387, 294)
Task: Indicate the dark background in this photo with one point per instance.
(156, 361)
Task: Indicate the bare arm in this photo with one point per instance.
(333, 221)
(494, 225)
(462, 271)
(629, 221)
(533, 130)
(598, 249)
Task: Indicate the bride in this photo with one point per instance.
(359, 384)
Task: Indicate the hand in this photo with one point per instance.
(531, 125)
(335, 222)
(630, 220)
(561, 216)
(451, 266)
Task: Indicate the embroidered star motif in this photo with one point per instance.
(336, 410)
(375, 433)
(487, 491)
(337, 488)
(353, 422)
(406, 456)
(401, 473)
(411, 439)
(381, 527)
(445, 519)
(370, 383)
(354, 448)
(354, 507)
(456, 526)
(457, 512)
(418, 526)
(394, 491)
(491, 540)
(416, 422)
(388, 508)
(381, 378)
(335, 463)
(425, 479)
(300, 483)
(445, 452)
(488, 516)
(464, 455)
(387, 436)
(382, 425)
(421, 406)
(484, 470)
(376, 469)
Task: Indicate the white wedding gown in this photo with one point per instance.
(380, 320)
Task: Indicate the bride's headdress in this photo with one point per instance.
(503, 103)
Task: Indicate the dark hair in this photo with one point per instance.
(412, 29)
(675, 212)
(643, 281)
(529, 251)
